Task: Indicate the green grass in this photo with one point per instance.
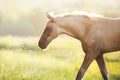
(21, 59)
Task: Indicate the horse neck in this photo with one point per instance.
(74, 28)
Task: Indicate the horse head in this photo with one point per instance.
(50, 32)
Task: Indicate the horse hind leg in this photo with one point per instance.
(102, 66)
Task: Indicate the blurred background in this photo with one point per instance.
(24, 17)
(21, 24)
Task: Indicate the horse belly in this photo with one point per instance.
(111, 42)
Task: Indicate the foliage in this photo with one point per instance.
(21, 59)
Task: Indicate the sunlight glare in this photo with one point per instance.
(13, 8)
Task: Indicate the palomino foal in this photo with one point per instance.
(97, 34)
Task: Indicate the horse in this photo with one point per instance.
(97, 34)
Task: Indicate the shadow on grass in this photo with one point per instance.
(22, 46)
(114, 77)
(112, 60)
(117, 59)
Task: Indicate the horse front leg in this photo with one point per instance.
(87, 61)
(102, 66)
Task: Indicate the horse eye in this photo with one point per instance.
(48, 29)
(49, 32)
(52, 21)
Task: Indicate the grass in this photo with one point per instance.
(21, 59)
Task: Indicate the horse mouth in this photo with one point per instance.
(42, 47)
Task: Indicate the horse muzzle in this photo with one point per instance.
(41, 45)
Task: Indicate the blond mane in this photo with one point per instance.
(77, 13)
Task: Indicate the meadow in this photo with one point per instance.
(22, 59)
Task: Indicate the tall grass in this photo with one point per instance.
(21, 59)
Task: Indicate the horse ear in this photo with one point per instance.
(50, 16)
